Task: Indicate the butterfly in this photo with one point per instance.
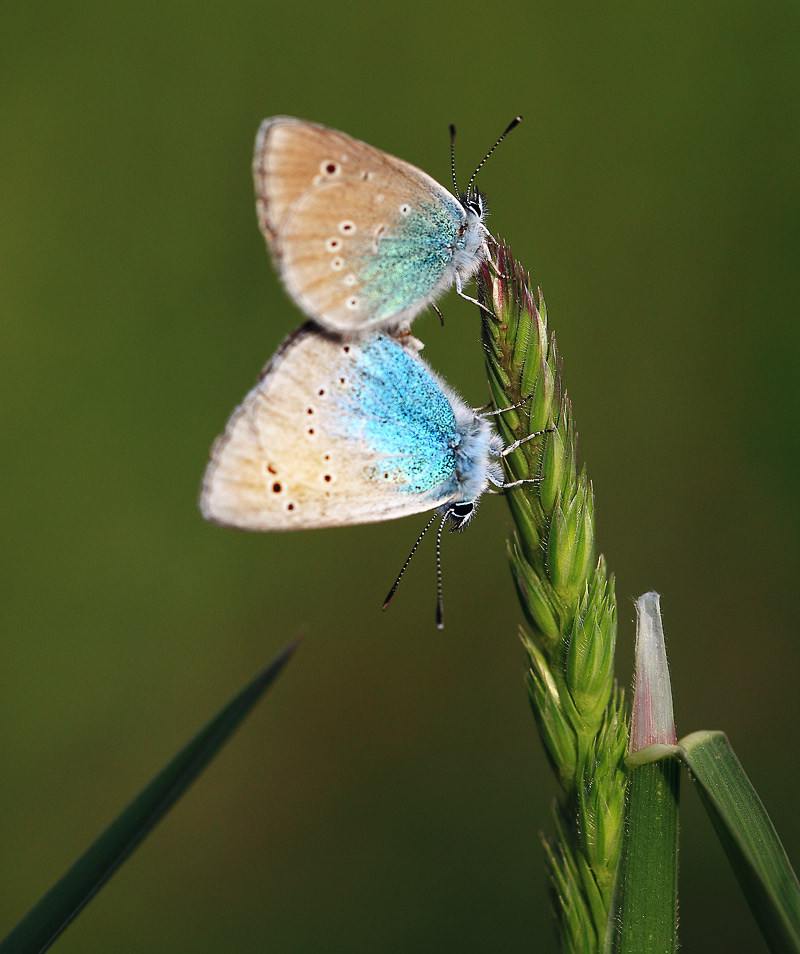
(348, 432)
(362, 240)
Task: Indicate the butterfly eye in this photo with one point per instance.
(460, 514)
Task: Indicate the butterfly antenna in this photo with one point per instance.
(393, 590)
(453, 155)
(439, 600)
(514, 122)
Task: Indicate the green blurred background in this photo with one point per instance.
(389, 792)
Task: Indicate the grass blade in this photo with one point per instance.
(645, 901)
(748, 836)
(65, 900)
(647, 877)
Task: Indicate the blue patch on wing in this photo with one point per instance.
(412, 254)
(395, 407)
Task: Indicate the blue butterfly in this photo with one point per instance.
(337, 433)
(362, 240)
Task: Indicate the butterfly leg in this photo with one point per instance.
(512, 447)
(525, 480)
(524, 440)
(491, 240)
(499, 488)
(501, 410)
(503, 276)
(408, 342)
(460, 292)
(441, 316)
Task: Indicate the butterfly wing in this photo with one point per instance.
(362, 239)
(332, 434)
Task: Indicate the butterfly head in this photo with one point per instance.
(474, 204)
(461, 514)
(471, 247)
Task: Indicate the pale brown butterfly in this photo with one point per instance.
(363, 241)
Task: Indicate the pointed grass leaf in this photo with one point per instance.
(644, 909)
(67, 898)
(748, 836)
